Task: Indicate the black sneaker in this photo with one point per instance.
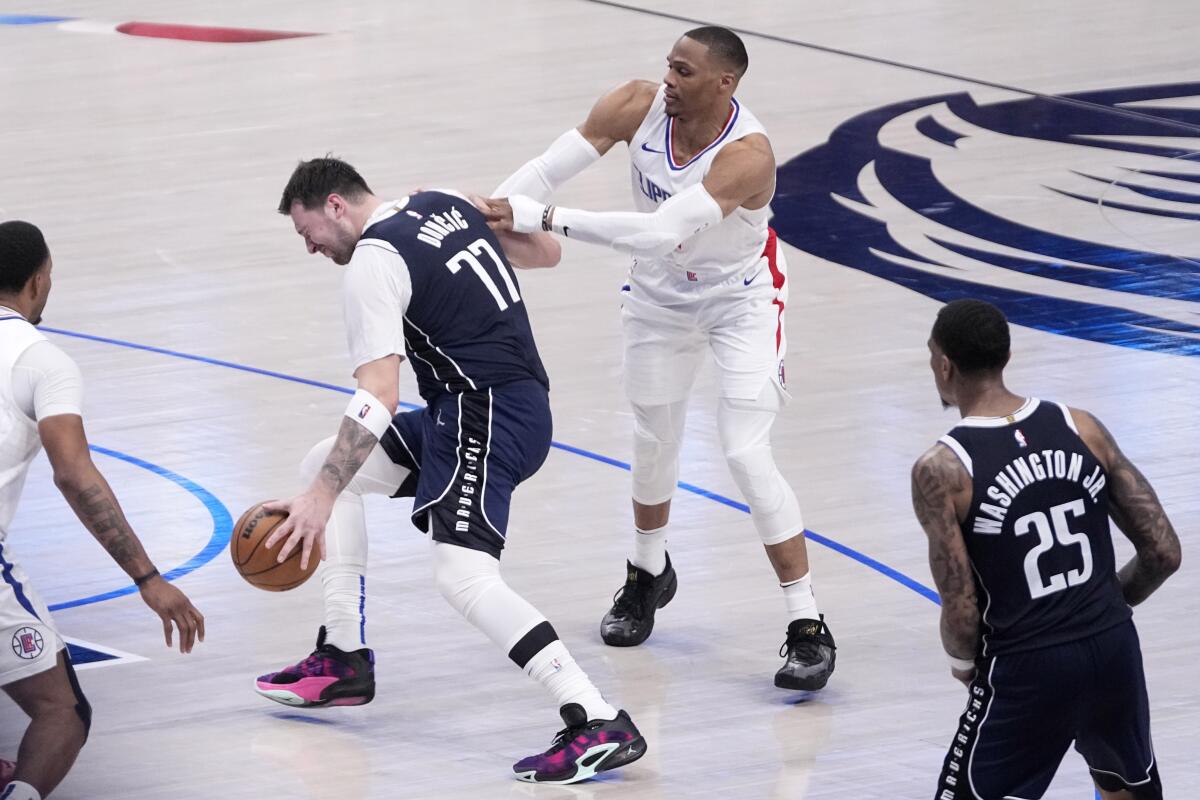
(631, 618)
(810, 654)
(328, 677)
(584, 748)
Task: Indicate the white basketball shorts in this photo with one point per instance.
(741, 320)
(29, 642)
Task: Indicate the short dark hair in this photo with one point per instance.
(724, 44)
(974, 335)
(313, 181)
(23, 252)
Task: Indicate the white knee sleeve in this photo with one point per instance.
(745, 430)
(471, 583)
(657, 434)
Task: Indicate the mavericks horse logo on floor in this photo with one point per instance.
(1077, 215)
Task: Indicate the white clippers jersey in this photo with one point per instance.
(19, 440)
(723, 251)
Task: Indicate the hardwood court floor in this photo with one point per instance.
(154, 167)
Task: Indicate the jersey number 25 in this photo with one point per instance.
(1047, 534)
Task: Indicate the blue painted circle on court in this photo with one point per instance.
(205, 555)
(222, 528)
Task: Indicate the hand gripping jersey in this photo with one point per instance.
(725, 249)
(465, 326)
(1038, 530)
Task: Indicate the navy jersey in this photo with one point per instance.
(1037, 532)
(466, 328)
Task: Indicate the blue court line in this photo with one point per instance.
(222, 529)
(29, 19)
(849, 552)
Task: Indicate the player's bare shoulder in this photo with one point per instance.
(618, 114)
(939, 479)
(1094, 435)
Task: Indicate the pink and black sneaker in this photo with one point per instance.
(7, 770)
(584, 748)
(328, 677)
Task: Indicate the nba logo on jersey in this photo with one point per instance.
(1020, 438)
(27, 643)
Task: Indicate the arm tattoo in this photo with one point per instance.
(1135, 508)
(98, 510)
(354, 443)
(936, 478)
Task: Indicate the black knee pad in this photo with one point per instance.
(82, 707)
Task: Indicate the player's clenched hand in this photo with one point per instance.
(307, 515)
(499, 213)
(174, 608)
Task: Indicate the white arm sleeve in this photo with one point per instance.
(376, 292)
(46, 382)
(644, 234)
(568, 156)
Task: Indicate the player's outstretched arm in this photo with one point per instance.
(93, 501)
(1135, 507)
(615, 117)
(938, 479)
(743, 174)
(366, 420)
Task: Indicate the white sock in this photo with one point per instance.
(18, 790)
(345, 607)
(554, 668)
(799, 597)
(344, 574)
(650, 550)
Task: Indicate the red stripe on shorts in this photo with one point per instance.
(777, 280)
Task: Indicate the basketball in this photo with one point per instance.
(256, 563)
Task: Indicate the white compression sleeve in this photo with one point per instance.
(645, 234)
(569, 155)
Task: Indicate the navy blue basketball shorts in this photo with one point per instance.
(1026, 708)
(467, 453)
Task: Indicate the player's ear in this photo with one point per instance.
(945, 368)
(335, 205)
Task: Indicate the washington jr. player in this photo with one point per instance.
(426, 278)
(41, 394)
(707, 273)
(1016, 502)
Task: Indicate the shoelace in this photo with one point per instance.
(629, 602)
(564, 738)
(808, 645)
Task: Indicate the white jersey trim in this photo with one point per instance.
(1067, 416)
(959, 451)
(1021, 414)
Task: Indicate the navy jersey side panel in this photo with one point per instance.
(1038, 532)
(466, 328)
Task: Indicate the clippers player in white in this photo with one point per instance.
(706, 273)
(40, 398)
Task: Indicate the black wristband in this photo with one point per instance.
(546, 212)
(151, 574)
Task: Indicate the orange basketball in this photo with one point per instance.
(256, 563)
